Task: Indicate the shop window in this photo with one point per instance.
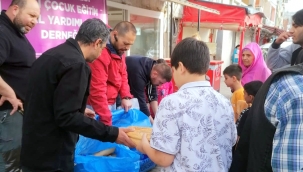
(147, 40)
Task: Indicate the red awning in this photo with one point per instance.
(273, 30)
(228, 13)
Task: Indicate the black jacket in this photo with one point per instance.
(55, 102)
(16, 58)
(256, 140)
(139, 70)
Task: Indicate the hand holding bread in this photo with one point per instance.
(124, 139)
(137, 135)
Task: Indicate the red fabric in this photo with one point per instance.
(109, 77)
(228, 13)
(253, 20)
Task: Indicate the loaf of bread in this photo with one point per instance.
(137, 134)
(105, 152)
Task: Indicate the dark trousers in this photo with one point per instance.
(10, 141)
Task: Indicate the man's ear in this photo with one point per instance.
(98, 43)
(15, 10)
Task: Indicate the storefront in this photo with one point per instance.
(149, 25)
(60, 20)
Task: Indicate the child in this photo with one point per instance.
(233, 75)
(250, 91)
(163, 91)
(194, 128)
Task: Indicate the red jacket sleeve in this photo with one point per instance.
(98, 87)
(125, 90)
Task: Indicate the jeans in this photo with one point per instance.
(10, 141)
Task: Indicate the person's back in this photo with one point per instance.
(202, 116)
(146, 73)
(139, 66)
(138, 70)
(194, 128)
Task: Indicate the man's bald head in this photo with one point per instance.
(24, 14)
(125, 27)
(20, 3)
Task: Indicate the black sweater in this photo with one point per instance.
(139, 70)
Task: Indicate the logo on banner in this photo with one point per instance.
(60, 20)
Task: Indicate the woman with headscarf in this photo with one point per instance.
(253, 65)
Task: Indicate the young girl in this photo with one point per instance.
(163, 91)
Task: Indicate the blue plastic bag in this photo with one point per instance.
(133, 117)
(125, 160)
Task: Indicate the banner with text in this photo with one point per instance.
(60, 20)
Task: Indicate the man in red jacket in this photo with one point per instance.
(109, 75)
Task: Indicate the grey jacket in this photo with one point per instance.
(280, 57)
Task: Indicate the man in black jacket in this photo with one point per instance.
(16, 58)
(146, 73)
(56, 99)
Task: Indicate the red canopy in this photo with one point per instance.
(228, 13)
(230, 17)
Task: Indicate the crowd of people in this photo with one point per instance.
(269, 124)
(47, 102)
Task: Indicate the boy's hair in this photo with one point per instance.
(233, 70)
(253, 87)
(194, 55)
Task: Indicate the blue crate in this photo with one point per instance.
(146, 165)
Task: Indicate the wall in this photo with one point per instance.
(225, 45)
(267, 9)
(204, 35)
